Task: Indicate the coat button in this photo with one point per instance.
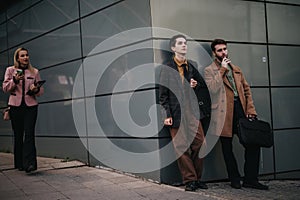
(200, 103)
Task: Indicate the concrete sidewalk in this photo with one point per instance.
(60, 180)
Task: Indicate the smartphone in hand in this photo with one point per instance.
(39, 83)
(19, 72)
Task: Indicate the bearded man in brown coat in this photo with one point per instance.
(232, 100)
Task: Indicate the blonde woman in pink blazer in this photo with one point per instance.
(21, 82)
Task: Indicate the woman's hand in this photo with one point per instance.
(19, 77)
(33, 88)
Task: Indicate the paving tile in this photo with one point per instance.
(123, 194)
(108, 175)
(98, 184)
(16, 193)
(38, 187)
(81, 194)
(66, 185)
(6, 184)
(23, 180)
(177, 195)
(48, 196)
(123, 179)
(136, 184)
(152, 190)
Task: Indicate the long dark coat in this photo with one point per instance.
(171, 83)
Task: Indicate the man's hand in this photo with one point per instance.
(251, 116)
(225, 62)
(193, 83)
(168, 121)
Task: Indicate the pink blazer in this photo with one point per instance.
(15, 90)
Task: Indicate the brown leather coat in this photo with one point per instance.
(222, 97)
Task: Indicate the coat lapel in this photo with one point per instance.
(236, 75)
(178, 80)
(225, 80)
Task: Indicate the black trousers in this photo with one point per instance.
(251, 156)
(23, 121)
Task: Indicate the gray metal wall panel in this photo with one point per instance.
(65, 148)
(207, 19)
(285, 107)
(287, 148)
(283, 24)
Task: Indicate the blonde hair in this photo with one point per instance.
(16, 62)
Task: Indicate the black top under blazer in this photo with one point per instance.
(171, 103)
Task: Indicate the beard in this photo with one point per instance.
(220, 58)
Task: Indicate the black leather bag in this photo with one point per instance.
(255, 132)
